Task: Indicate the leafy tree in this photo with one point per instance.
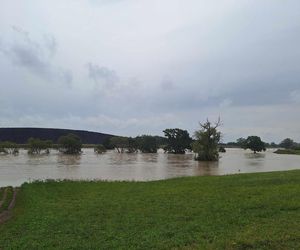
(119, 143)
(70, 144)
(8, 147)
(287, 143)
(255, 144)
(241, 142)
(100, 149)
(161, 141)
(124, 144)
(222, 149)
(132, 145)
(296, 146)
(178, 141)
(147, 143)
(36, 146)
(273, 145)
(207, 140)
(107, 144)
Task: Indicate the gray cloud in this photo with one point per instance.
(51, 44)
(167, 84)
(36, 57)
(102, 75)
(239, 60)
(295, 96)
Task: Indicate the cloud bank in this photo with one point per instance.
(133, 67)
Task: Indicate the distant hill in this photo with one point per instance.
(21, 135)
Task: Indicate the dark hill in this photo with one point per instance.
(21, 135)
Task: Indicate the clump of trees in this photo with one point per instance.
(70, 144)
(147, 143)
(206, 142)
(132, 146)
(254, 143)
(144, 143)
(36, 146)
(178, 140)
(99, 149)
(241, 142)
(8, 147)
(288, 143)
(222, 149)
(107, 143)
(119, 143)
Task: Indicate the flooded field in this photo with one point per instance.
(15, 170)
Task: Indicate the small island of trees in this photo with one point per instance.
(36, 146)
(8, 147)
(206, 142)
(70, 144)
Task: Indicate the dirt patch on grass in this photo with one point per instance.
(3, 197)
(7, 213)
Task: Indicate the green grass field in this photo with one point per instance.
(246, 211)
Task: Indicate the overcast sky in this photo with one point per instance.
(131, 67)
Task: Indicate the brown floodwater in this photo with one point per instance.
(15, 170)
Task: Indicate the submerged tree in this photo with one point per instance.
(241, 142)
(255, 144)
(222, 149)
(207, 140)
(147, 143)
(178, 140)
(8, 147)
(70, 144)
(119, 143)
(99, 149)
(107, 143)
(36, 146)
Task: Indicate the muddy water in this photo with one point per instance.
(14, 170)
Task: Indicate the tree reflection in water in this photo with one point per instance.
(256, 160)
(68, 160)
(207, 168)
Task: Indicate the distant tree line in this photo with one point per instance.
(143, 143)
(205, 143)
(67, 144)
(286, 144)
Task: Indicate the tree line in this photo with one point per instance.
(287, 143)
(68, 144)
(205, 143)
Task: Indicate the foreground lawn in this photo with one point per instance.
(259, 211)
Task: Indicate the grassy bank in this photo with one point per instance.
(287, 151)
(259, 211)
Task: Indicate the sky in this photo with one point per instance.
(133, 67)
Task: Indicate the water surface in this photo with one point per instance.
(14, 170)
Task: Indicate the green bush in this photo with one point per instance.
(70, 144)
(36, 146)
(8, 147)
